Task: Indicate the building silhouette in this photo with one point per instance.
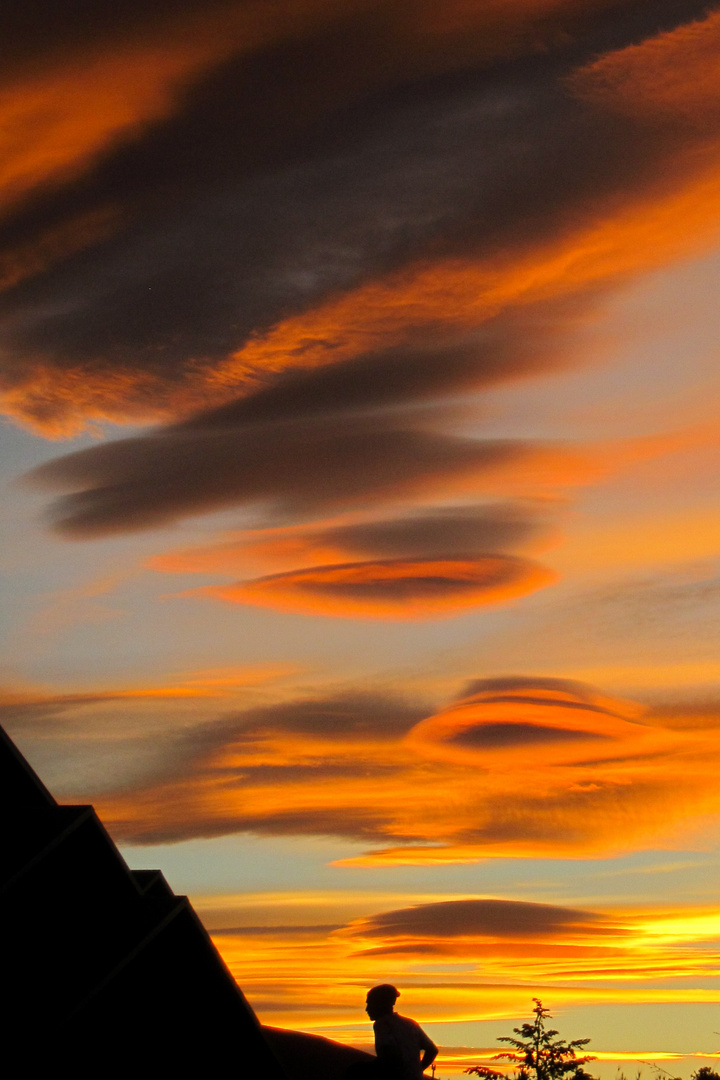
(105, 970)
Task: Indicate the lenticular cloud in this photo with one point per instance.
(392, 588)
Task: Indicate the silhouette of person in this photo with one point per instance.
(403, 1049)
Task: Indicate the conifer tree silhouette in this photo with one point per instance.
(539, 1053)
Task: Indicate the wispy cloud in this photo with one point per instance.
(527, 767)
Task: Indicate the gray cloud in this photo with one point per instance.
(559, 693)
(292, 468)
(86, 765)
(683, 713)
(441, 532)
(496, 736)
(371, 716)
(576, 815)
(350, 823)
(348, 716)
(478, 918)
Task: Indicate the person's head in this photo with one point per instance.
(381, 1000)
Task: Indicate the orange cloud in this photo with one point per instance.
(60, 116)
(60, 113)
(56, 121)
(527, 768)
(672, 75)
(646, 539)
(547, 721)
(648, 231)
(299, 969)
(391, 589)
(585, 227)
(283, 546)
(427, 532)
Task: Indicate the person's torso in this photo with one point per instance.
(398, 1043)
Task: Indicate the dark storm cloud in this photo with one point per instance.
(478, 918)
(349, 144)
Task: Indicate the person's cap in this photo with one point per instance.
(384, 994)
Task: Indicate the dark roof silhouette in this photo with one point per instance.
(312, 1057)
(106, 970)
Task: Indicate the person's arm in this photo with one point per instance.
(429, 1049)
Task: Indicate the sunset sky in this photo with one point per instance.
(360, 463)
